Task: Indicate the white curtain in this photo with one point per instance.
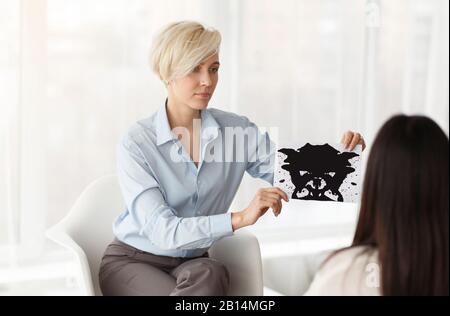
(74, 75)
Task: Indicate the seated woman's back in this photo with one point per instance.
(353, 271)
(401, 241)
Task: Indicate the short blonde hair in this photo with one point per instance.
(180, 47)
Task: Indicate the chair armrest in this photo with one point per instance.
(58, 234)
(241, 255)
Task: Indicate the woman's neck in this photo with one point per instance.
(181, 115)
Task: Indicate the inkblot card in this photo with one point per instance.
(319, 172)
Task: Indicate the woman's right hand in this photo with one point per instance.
(264, 199)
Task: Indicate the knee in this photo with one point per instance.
(216, 274)
(218, 269)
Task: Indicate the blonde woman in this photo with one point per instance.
(178, 178)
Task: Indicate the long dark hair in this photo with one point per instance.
(405, 206)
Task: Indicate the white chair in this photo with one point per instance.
(87, 230)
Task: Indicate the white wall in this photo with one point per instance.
(74, 75)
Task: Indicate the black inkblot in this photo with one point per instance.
(317, 171)
(282, 180)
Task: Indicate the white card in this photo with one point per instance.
(319, 172)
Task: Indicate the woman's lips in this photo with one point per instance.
(203, 95)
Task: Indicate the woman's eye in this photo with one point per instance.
(214, 70)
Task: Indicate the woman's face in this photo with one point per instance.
(196, 89)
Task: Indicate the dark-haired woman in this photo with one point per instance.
(401, 241)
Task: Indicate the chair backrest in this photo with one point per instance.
(89, 225)
(87, 230)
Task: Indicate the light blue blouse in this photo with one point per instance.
(174, 208)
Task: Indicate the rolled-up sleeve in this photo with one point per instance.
(157, 221)
(262, 155)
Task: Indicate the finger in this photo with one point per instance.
(346, 138)
(274, 204)
(277, 210)
(265, 203)
(272, 195)
(277, 191)
(362, 142)
(276, 213)
(355, 141)
(343, 139)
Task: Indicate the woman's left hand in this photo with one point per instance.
(351, 139)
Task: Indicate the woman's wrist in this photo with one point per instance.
(237, 220)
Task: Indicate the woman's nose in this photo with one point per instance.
(205, 80)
